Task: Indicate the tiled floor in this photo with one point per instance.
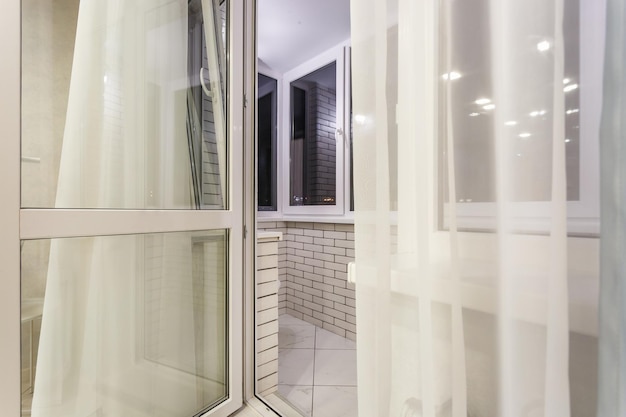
(316, 369)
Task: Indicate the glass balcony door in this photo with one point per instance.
(127, 207)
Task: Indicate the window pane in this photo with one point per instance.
(313, 147)
(468, 76)
(123, 105)
(266, 146)
(124, 325)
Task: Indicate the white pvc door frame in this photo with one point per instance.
(17, 223)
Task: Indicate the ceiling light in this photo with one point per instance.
(572, 111)
(566, 80)
(519, 154)
(452, 75)
(359, 118)
(568, 140)
(524, 135)
(570, 87)
(543, 46)
(489, 107)
(482, 101)
(534, 113)
(474, 114)
(510, 123)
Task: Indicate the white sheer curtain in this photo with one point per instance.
(125, 147)
(462, 110)
(612, 358)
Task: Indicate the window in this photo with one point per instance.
(312, 148)
(266, 131)
(304, 146)
(466, 80)
(313, 139)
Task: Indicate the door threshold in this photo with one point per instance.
(257, 408)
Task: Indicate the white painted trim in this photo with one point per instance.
(235, 123)
(347, 74)
(307, 219)
(10, 36)
(54, 223)
(250, 201)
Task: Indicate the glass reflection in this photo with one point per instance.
(123, 104)
(530, 123)
(124, 325)
(313, 146)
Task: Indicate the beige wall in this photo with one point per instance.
(48, 33)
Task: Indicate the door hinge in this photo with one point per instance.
(245, 101)
(245, 232)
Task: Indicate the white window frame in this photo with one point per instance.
(584, 214)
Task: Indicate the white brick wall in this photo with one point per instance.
(312, 262)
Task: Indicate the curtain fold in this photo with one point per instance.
(122, 321)
(612, 350)
(454, 321)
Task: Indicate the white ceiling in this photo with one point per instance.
(291, 32)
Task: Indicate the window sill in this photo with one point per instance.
(265, 218)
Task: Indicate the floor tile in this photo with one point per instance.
(287, 319)
(300, 396)
(292, 336)
(295, 366)
(335, 367)
(335, 402)
(327, 340)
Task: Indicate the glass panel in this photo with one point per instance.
(123, 104)
(313, 147)
(266, 146)
(468, 76)
(124, 325)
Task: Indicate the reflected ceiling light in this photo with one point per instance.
(524, 135)
(537, 113)
(452, 75)
(543, 46)
(570, 87)
(568, 140)
(572, 111)
(489, 107)
(106, 79)
(566, 80)
(519, 154)
(482, 101)
(474, 114)
(510, 123)
(359, 118)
